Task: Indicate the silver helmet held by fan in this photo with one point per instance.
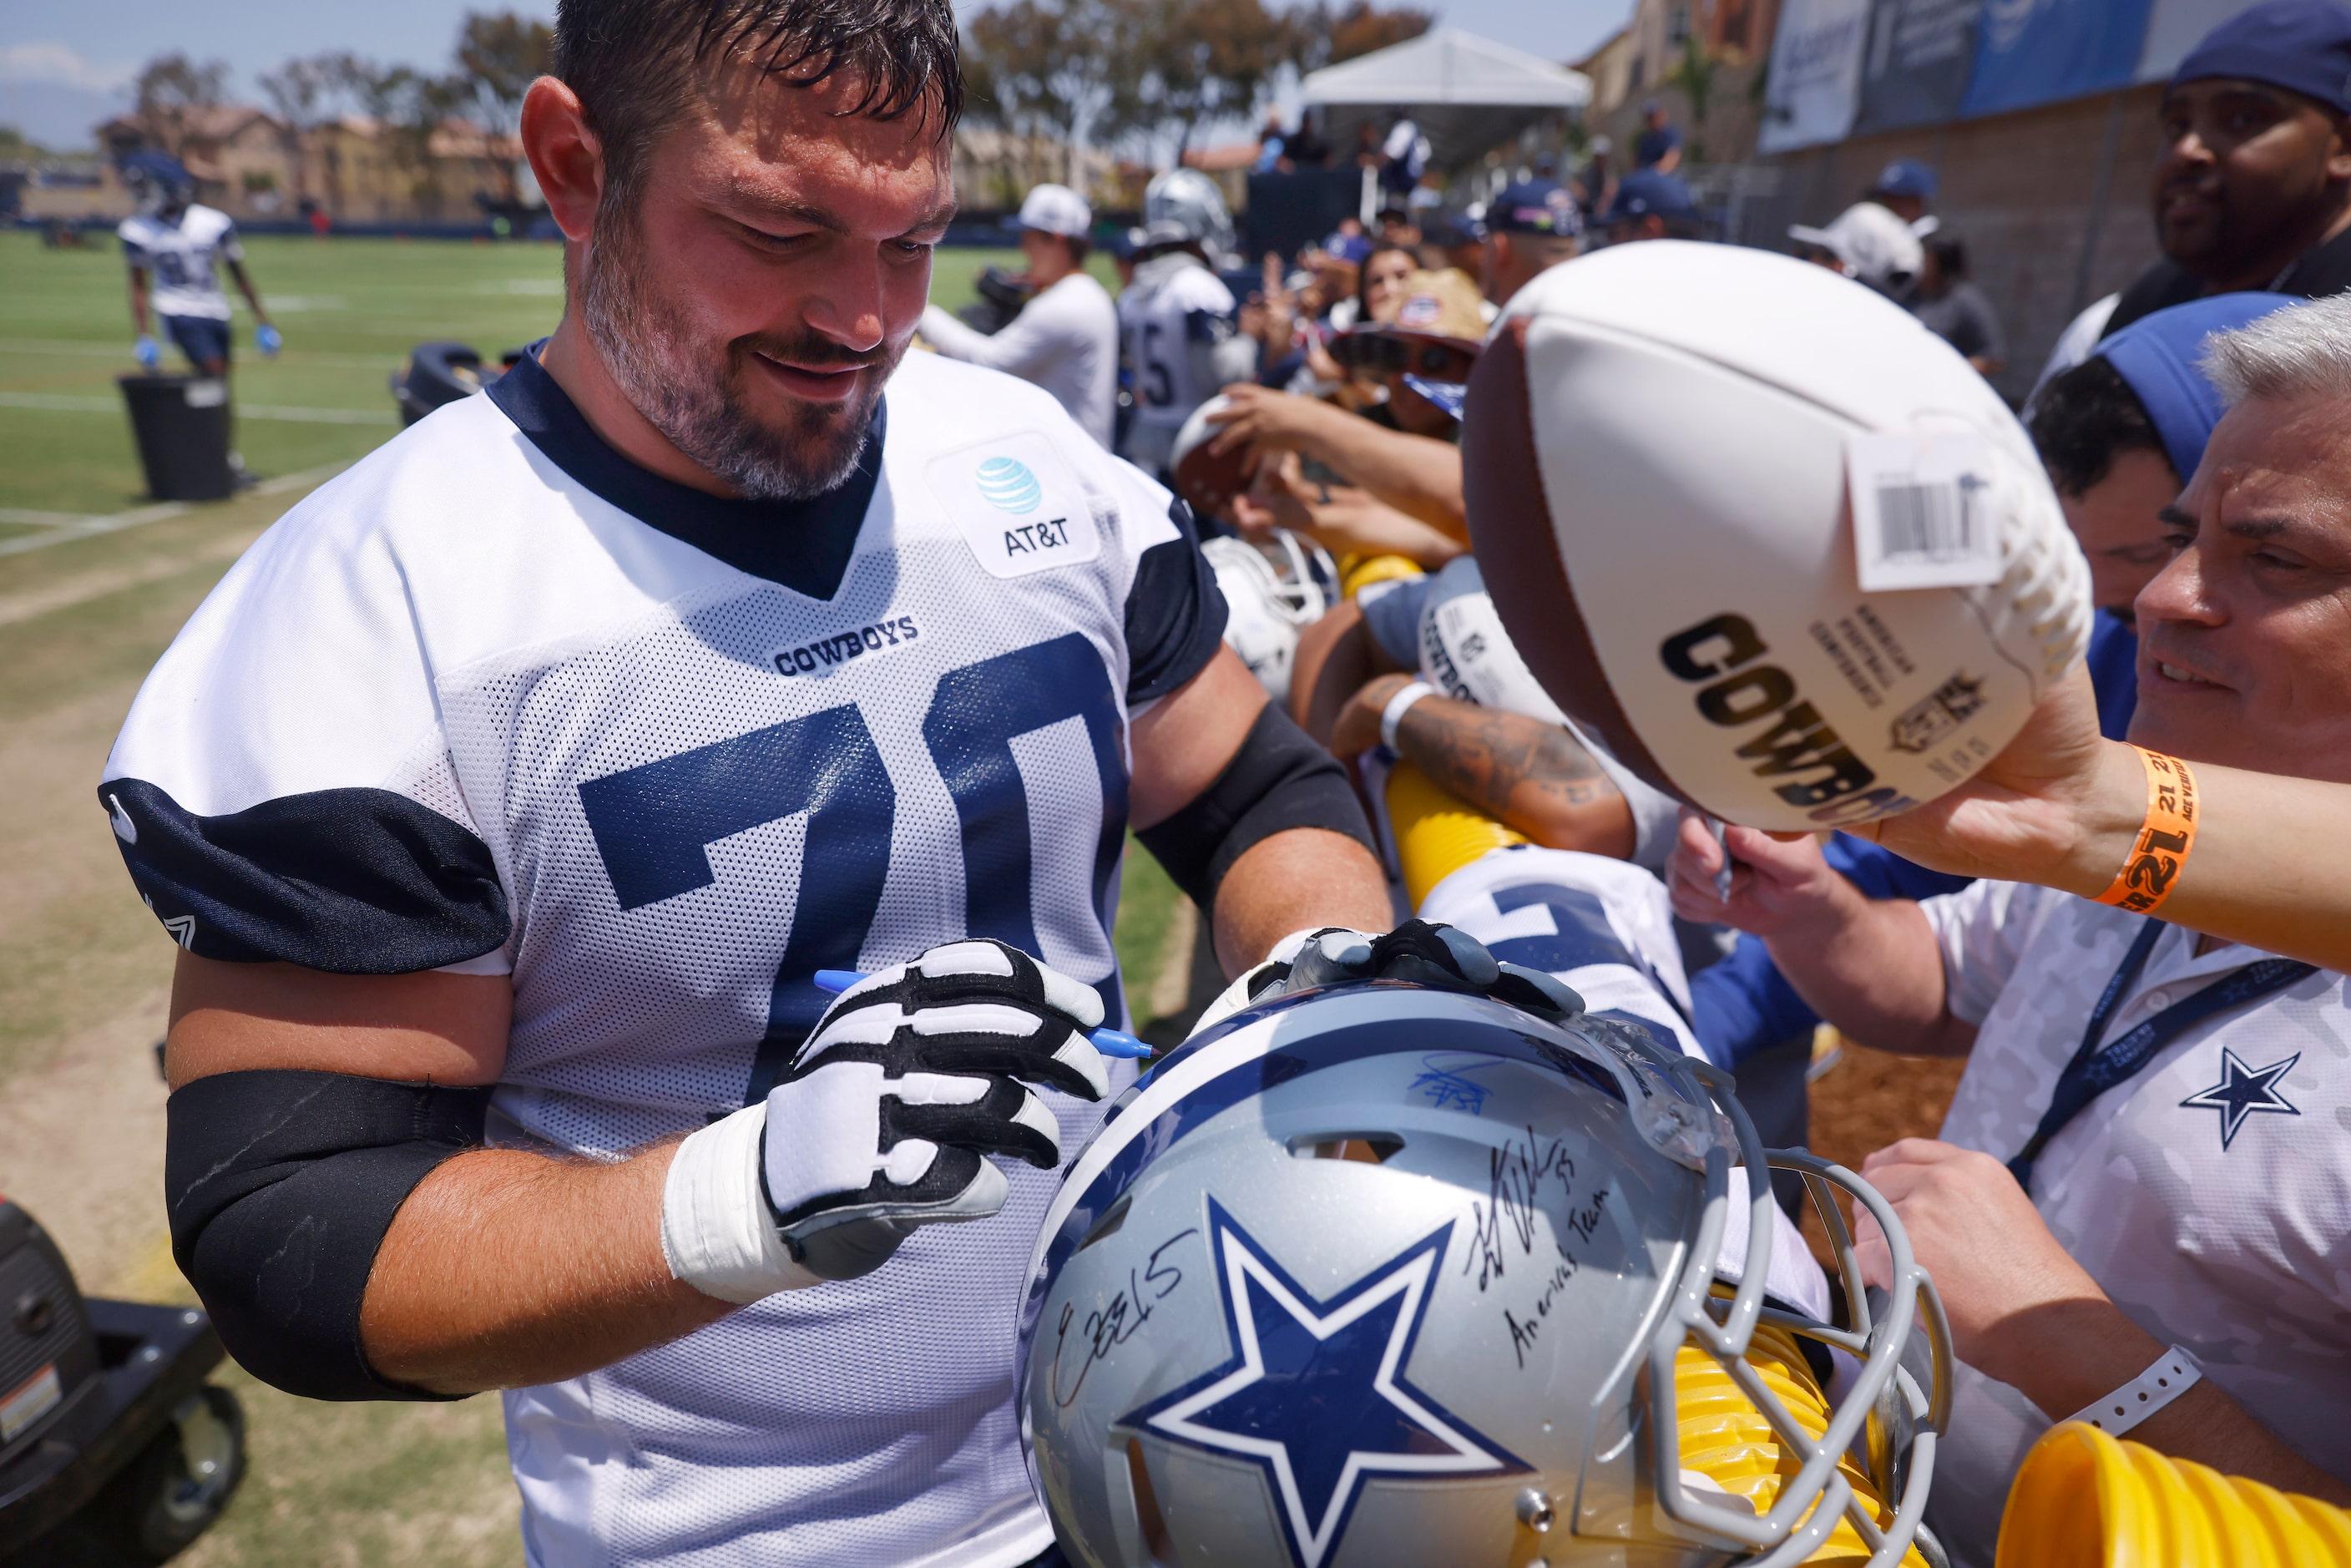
(1376, 1274)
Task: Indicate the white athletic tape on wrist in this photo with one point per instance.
(717, 1231)
(2175, 1372)
(1393, 715)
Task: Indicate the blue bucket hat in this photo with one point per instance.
(2303, 46)
(2161, 356)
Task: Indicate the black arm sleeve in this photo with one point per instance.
(1278, 779)
(1175, 613)
(281, 1185)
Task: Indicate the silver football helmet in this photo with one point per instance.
(1272, 593)
(1192, 209)
(1376, 1274)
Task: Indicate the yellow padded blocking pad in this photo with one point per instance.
(1725, 1438)
(2085, 1500)
(1437, 832)
(1357, 572)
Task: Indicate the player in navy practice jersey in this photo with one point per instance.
(508, 797)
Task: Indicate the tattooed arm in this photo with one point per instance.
(1527, 774)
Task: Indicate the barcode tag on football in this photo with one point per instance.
(1922, 509)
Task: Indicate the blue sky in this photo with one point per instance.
(64, 64)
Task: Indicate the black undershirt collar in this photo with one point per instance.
(804, 545)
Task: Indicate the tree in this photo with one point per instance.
(1190, 62)
(311, 90)
(409, 106)
(1042, 68)
(172, 90)
(1694, 74)
(499, 56)
(1326, 34)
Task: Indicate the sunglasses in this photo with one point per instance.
(1379, 354)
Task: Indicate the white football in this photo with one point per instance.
(1655, 454)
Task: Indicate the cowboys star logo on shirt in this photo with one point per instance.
(2243, 1091)
(1316, 1391)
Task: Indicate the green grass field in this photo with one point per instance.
(84, 970)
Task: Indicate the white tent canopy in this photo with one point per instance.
(1465, 92)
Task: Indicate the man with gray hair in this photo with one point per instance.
(2137, 1209)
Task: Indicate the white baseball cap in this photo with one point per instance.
(1875, 246)
(1057, 210)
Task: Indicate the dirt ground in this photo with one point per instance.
(1870, 1099)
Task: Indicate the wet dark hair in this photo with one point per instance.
(2086, 419)
(636, 64)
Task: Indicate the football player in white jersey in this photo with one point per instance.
(514, 795)
(2145, 1158)
(1066, 339)
(174, 246)
(1177, 317)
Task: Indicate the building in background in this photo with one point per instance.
(2040, 121)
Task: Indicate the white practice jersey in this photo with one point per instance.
(1174, 317)
(181, 259)
(498, 700)
(1065, 340)
(2208, 1195)
(1606, 928)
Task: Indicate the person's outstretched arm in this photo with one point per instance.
(1527, 774)
(1419, 476)
(1026, 345)
(1871, 966)
(2062, 807)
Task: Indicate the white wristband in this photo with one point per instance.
(717, 1231)
(2175, 1372)
(1393, 715)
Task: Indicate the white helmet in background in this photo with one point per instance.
(1184, 204)
(1770, 539)
(1271, 593)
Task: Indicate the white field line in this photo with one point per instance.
(85, 527)
(82, 350)
(67, 402)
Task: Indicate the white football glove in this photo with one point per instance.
(881, 1123)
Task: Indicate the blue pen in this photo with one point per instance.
(1109, 1041)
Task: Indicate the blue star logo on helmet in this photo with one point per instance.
(1007, 486)
(1315, 1392)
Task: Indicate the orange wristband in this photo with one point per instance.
(2152, 868)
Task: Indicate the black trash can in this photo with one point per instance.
(182, 424)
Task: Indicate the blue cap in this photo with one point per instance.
(1448, 230)
(1645, 191)
(2303, 46)
(1348, 247)
(1534, 208)
(161, 167)
(2161, 356)
(1906, 177)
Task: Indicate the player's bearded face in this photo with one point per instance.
(694, 388)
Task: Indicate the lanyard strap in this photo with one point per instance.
(2093, 1072)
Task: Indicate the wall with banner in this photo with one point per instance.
(1859, 67)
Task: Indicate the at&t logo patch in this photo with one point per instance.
(1017, 505)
